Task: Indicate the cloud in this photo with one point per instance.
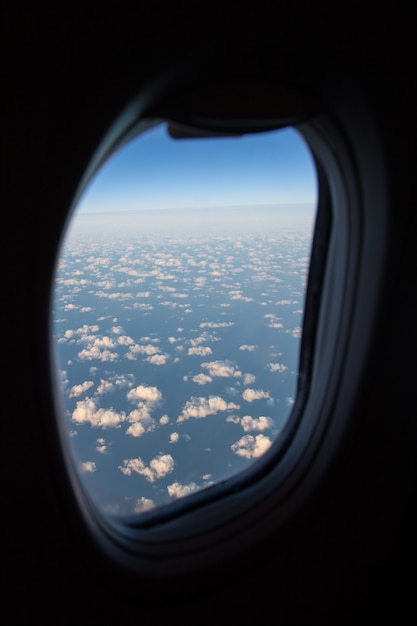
(200, 407)
(104, 342)
(276, 367)
(261, 423)
(179, 491)
(255, 394)
(142, 413)
(101, 446)
(157, 359)
(203, 338)
(105, 284)
(114, 296)
(136, 429)
(117, 381)
(143, 306)
(249, 423)
(159, 467)
(77, 390)
(88, 467)
(125, 340)
(237, 295)
(251, 447)
(174, 438)
(200, 351)
(143, 504)
(248, 379)
(83, 331)
(141, 421)
(202, 379)
(86, 412)
(94, 352)
(249, 348)
(149, 349)
(105, 386)
(216, 324)
(144, 393)
(222, 369)
(274, 323)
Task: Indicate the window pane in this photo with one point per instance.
(178, 310)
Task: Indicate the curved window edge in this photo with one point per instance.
(211, 525)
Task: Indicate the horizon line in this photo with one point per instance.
(280, 205)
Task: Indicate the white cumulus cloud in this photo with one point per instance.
(202, 379)
(200, 351)
(95, 352)
(255, 394)
(157, 359)
(88, 467)
(200, 407)
(261, 423)
(142, 392)
(177, 490)
(159, 467)
(277, 367)
(222, 369)
(251, 447)
(77, 390)
(216, 324)
(143, 504)
(87, 412)
(105, 386)
(248, 379)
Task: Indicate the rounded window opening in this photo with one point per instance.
(178, 312)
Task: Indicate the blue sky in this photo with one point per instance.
(156, 172)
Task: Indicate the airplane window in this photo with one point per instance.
(178, 312)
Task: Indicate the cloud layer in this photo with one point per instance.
(179, 355)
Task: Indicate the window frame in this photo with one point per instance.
(212, 524)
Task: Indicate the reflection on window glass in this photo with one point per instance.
(178, 310)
